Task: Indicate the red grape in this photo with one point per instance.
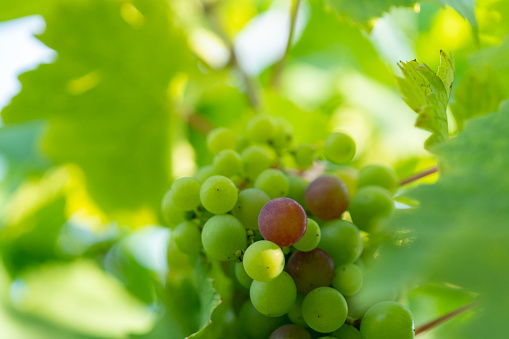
(282, 221)
(310, 269)
(290, 332)
(327, 197)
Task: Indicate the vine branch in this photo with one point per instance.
(199, 123)
(419, 176)
(444, 318)
(279, 66)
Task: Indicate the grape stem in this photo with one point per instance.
(418, 176)
(444, 318)
(218, 28)
(279, 66)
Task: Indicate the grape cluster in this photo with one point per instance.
(298, 249)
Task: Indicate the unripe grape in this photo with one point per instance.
(295, 313)
(261, 127)
(218, 194)
(350, 176)
(255, 160)
(220, 139)
(263, 261)
(256, 325)
(369, 205)
(204, 173)
(275, 297)
(282, 221)
(311, 269)
(387, 320)
(171, 213)
(339, 148)
(348, 279)
(311, 237)
(305, 155)
(324, 309)
(222, 236)
(227, 163)
(297, 189)
(241, 275)
(187, 237)
(327, 197)
(342, 241)
(290, 332)
(249, 204)
(273, 182)
(375, 175)
(283, 136)
(186, 193)
(348, 332)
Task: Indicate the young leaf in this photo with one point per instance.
(428, 94)
(459, 233)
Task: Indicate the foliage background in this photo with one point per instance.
(120, 108)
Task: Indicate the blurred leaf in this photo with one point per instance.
(494, 58)
(428, 94)
(16, 9)
(465, 8)
(30, 233)
(478, 93)
(362, 11)
(459, 234)
(105, 97)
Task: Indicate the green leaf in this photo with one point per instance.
(106, 98)
(362, 11)
(465, 8)
(494, 58)
(459, 233)
(428, 94)
(16, 9)
(477, 94)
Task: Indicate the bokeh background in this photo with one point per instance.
(104, 102)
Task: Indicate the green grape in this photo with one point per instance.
(171, 213)
(348, 279)
(311, 238)
(295, 313)
(255, 160)
(204, 173)
(342, 241)
(243, 142)
(255, 325)
(349, 175)
(369, 205)
(227, 163)
(387, 320)
(305, 155)
(186, 193)
(275, 297)
(248, 207)
(241, 275)
(290, 331)
(348, 332)
(339, 148)
(324, 309)
(218, 194)
(220, 139)
(188, 237)
(382, 176)
(222, 236)
(361, 301)
(273, 182)
(283, 136)
(264, 261)
(261, 127)
(297, 189)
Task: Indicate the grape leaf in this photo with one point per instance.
(465, 8)
(362, 11)
(428, 94)
(459, 233)
(105, 98)
(496, 59)
(477, 94)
